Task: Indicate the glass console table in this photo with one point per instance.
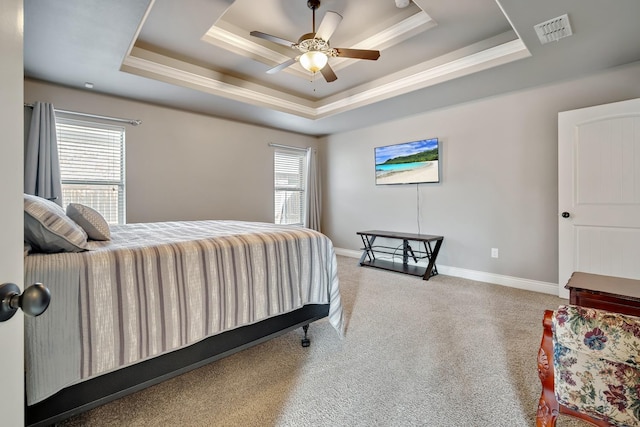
(369, 259)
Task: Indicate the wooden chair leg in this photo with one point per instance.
(548, 407)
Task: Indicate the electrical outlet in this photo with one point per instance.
(494, 252)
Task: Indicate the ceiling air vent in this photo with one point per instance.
(553, 29)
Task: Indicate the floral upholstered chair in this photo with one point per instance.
(589, 366)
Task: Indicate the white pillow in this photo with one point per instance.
(48, 229)
(90, 220)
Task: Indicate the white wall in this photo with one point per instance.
(499, 177)
(181, 165)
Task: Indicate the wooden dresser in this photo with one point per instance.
(605, 292)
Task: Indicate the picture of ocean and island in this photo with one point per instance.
(408, 163)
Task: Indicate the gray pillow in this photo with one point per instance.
(90, 220)
(47, 228)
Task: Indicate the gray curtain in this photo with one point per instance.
(41, 163)
(314, 195)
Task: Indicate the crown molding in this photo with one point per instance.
(390, 36)
(243, 46)
(397, 32)
(398, 84)
(485, 54)
(170, 70)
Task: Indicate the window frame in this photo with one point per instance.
(120, 184)
(301, 156)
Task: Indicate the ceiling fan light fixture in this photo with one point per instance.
(314, 47)
(313, 60)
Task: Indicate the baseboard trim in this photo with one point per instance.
(480, 276)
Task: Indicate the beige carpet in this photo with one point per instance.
(443, 352)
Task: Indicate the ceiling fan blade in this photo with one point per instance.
(282, 66)
(328, 25)
(358, 53)
(328, 74)
(271, 38)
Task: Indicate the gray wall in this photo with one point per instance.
(181, 165)
(498, 185)
(499, 171)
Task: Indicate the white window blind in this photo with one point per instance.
(290, 186)
(92, 166)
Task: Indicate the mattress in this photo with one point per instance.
(157, 287)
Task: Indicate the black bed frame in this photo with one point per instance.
(89, 394)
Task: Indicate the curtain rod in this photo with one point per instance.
(132, 122)
(288, 147)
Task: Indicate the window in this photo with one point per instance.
(290, 170)
(92, 166)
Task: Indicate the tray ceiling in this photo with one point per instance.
(198, 55)
(214, 52)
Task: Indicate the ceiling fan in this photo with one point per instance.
(314, 47)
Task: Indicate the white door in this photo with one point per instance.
(11, 206)
(599, 191)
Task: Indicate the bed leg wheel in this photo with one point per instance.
(306, 342)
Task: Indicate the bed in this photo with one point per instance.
(159, 299)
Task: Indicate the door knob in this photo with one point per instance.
(33, 301)
(566, 214)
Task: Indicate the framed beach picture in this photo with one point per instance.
(408, 163)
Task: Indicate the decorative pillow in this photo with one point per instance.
(599, 333)
(596, 363)
(90, 220)
(48, 229)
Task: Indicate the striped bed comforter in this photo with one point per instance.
(157, 287)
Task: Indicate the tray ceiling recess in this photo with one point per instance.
(217, 54)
